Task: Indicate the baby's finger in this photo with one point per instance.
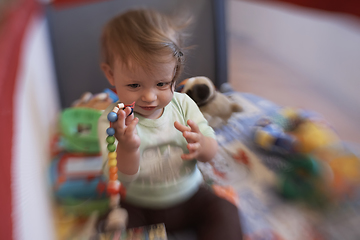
(120, 122)
(130, 129)
(128, 111)
(191, 137)
(189, 156)
(193, 146)
(194, 127)
(181, 127)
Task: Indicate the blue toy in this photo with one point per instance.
(272, 137)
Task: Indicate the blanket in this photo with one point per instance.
(248, 176)
(252, 173)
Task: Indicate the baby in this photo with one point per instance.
(160, 144)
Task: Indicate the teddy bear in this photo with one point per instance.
(216, 107)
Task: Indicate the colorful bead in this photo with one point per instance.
(111, 147)
(113, 187)
(109, 159)
(113, 176)
(110, 139)
(110, 131)
(115, 109)
(112, 155)
(132, 110)
(112, 117)
(113, 170)
(112, 163)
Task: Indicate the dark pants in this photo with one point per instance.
(210, 216)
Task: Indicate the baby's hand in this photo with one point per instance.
(125, 130)
(194, 138)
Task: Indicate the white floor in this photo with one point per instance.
(253, 71)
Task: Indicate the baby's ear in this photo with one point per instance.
(107, 70)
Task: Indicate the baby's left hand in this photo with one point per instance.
(194, 138)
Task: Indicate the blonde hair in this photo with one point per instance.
(145, 37)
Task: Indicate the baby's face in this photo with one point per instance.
(150, 91)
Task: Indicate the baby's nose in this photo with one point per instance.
(149, 96)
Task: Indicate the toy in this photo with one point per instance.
(329, 176)
(78, 128)
(292, 131)
(117, 218)
(344, 165)
(77, 176)
(98, 101)
(78, 124)
(216, 107)
(75, 172)
(272, 137)
(296, 135)
(305, 180)
(313, 135)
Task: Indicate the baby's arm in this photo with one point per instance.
(128, 154)
(200, 147)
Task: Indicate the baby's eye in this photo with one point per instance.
(163, 84)
(134, 85)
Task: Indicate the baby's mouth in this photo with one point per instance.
(147, 108)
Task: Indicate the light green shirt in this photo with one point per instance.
(164, 179)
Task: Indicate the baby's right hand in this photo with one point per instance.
(125, 130)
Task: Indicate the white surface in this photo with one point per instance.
(323, 46)
(83, 165)
(35, 114)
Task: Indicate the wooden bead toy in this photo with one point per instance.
(117, 217)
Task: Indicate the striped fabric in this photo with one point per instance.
(28, 107)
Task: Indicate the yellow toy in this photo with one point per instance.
(310, 133)
(344, 171)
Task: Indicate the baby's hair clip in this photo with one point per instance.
(178, 54)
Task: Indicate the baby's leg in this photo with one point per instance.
(219, 219)
(136, 216)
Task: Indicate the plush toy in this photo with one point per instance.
(216, 107)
